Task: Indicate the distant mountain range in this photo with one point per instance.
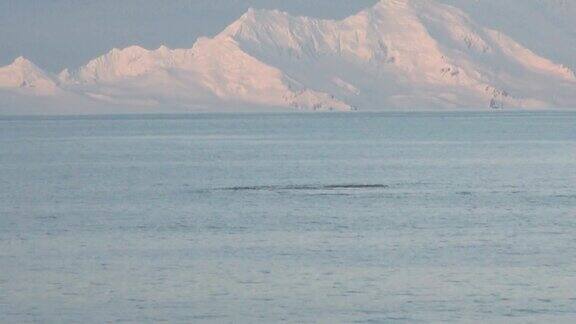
(397, 55)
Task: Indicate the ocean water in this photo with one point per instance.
(300, 218)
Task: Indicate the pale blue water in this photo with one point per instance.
(298, 218)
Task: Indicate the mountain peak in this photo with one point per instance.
(22, 62)
(163, 49)
(253, 18)
(23, 75)
(254, 13)
(23, 65)
(134, 49)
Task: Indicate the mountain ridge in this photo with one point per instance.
(398, 54)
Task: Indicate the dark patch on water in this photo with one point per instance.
(331, 194)
(307, 187)
(565, 196)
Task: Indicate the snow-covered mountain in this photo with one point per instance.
(24, 77)
(399, 54)
(547, 27)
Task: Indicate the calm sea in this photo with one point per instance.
(366, 218)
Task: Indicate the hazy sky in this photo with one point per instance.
(66, 33)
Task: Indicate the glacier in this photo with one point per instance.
(396, 55)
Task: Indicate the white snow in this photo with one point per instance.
(399, 54)
(25, 77)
